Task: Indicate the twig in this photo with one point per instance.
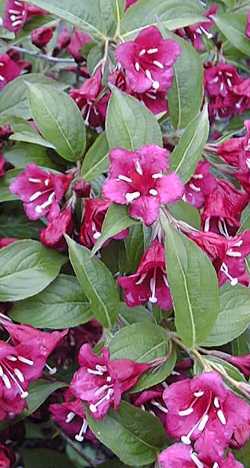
(45, 57)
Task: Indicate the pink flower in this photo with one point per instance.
(201, 184)
(137, 179)
(101, 382)
(236, 151)
(213, 244)
(5, 241)
(149, 283)
(40, 190)
(7, 457)
(220, 81)
(223, 208)
(181, 456)
(71, 417)
(195, 32)
(9, 70)
(203, 405)
(248, 25)
(148, 60)
(77, 42)
(15, 15)
(94, 213)
(53, 234)
(151, 400)
(242, 93)
(129, 3)
(234, 267)
(40, 37)
(91, 100)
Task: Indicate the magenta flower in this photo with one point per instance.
(222, 209)
(242, 93)
(201, 184)
(78, 41)
(203, 405)
(91, 100)
(149, 283)
(148, 60)
(129, 3)
(71, 417)
(7, 457)
(94, 213)
(181, 456)
(15, 15)
(40, 190)
(236, 151)
(101, 382)
(137, 179)
(151, 400)
(195, 32)
(9, 70)
(40, 37)
(53, 235)
(234, 268)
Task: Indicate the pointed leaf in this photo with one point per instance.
(233, 26)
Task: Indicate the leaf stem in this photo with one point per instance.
(38, 55)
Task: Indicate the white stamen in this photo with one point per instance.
(152, 283)
(229, 82)
(2, 78)
(40, 208)
(196, 460)
(125, 178)
(158, 175)
(216, 402)
(221, 86)
(186, 412)
(132, 196)
(11, 358)
(97, 235)
(35, 196)
(197, 176)
(16, 23)
(215, 465)
(19, 375)
(185, 440)
(70, 416)
(203, 422)
(93, 408)
(238, 244)
(108, 379)
(207, 224)
(94, 372)
(46, 182)
(52, 370)
(153, 192)
(159, 406)
(224, 270)
(14, 12)
(165, 281)
(138, 167)
(194, 188)
(35, 181)
(152, 51)
(214, 80)
(102, 389)
(13, 17)
(231, 253)
(141, 279)
(248, 160)
(25, 360)
(155, 85)
(80, 437)
(18, 3)
(151, 96)
(137, 66)
(221, 417)
(148, 75)
(142, 52)
(158, 64)
(198, 394)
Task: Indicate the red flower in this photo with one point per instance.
(181, 456)
(77, 41)
(137, 179)
(201, 184)
(242, 93)
(201, 407)
(9, 70)
(223, 208)
(40, 190)
(129, 3)
(92, 100)
(7, 457)
(149, 283)
(94, 213)
(236, 151)
(101, 382)
(195, 32)
(41, 36)
(148, 60)
(234, 267)
(53, 234)
(15, 15)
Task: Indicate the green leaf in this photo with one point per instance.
(39, 391)
(95, 17)
(183, 211)
(234, 317)
(129, 123)
(189, 149)
(151, 343)
(135, 436)
(245, 220)
(130, 315)
(95, 162)
(26, 268)
(41, 457)
(14, 100)
(97, 283)
(22, 154)
(193, 285)
(25, 133)
(16, 224)
(233, 26)
(171, 13)
(115, 221)
(186, 94)
(5, 181)
(59, 120)
(134, 246)
(61, 305)
(225, 366)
